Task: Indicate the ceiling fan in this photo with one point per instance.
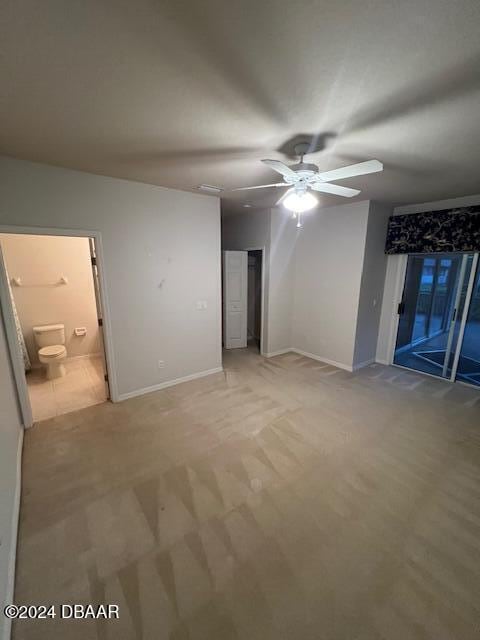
(302, 177)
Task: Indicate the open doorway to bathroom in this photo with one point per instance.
(55, 302)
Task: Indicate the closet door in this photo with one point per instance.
(235, 284)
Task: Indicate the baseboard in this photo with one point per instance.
(14, 538)
(380, 361)
(97, 354)
(339, 365)
(365, 363)
(306, 354)
(168, 383)
(85, 356)
(277, 353)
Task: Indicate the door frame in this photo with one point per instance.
(11, 334)
(401, 273)
(262, 296)
(14, 352)
(466, 311)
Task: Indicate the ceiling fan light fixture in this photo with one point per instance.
(300, 202)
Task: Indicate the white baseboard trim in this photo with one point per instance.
(168, 383)
(340, 365)
(85, 356)
(276, 353)
(381, 361)
(97, 354)
(10, 592)
(365, 363)
(333, 363)
(306, 354)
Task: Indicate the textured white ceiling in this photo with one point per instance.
(181, 93)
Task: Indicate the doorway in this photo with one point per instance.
(51, 295)
(254, 299)
(439, 317)
(243, 299)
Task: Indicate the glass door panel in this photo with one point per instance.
(424, 299)
(428, 329)
(446, 274)
(468, 359)
(457, 318)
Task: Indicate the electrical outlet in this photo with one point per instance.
(161, 364)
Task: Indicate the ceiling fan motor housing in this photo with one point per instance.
(303, 174)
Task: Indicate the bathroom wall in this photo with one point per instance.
(40, 261)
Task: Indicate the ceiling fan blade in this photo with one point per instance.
(337, 190)
(278, 166)
(359, 169)
(284, 195)
(261, 186)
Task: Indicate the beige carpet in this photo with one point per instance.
(284, 499)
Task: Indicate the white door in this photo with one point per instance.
(98, 302)
(235, 283)
(6, 310)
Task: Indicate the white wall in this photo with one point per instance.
(249, 230)
(10, 432)
(328, 271)
(283, 239)
(438, 205)
(393, 285)
(325, 281)
(372, 285)
(40, 261)
(161, 254)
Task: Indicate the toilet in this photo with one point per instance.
(50, 340)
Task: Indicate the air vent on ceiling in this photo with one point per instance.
(210, 188)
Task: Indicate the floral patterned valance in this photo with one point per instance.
(435, 231)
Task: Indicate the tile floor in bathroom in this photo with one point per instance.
(82, 386)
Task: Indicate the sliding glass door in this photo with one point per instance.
(436, 319)
(467, 365)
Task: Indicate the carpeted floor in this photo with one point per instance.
(283, 499)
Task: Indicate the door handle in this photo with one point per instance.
(401, 308)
